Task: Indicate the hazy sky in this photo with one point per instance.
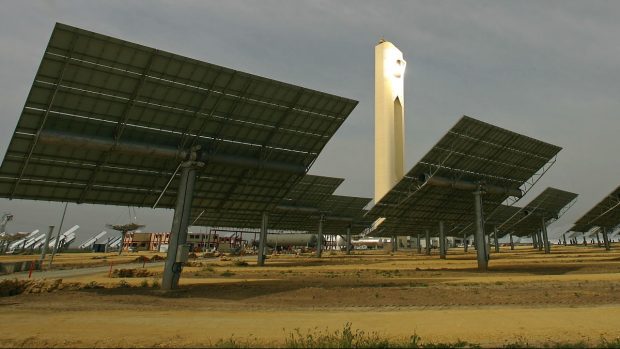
(547, 69)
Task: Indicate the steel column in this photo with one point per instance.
(545, 236)
(428, 243)
(598, 240)
(262, 239)
(479, 240)
(512, 243)
(606, 239)
(541, 243)
(394, 242)
(564, 237)
(487, 246)
(496, 239)
(319, 238)
(465, 243)
(442, 241)
(349, 239)
(180, 223)
(419, 245)
(534, 240)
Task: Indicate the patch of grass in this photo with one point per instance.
(144, 283)
(614, 343)
(123, 284)
(523, 343)
(350, 338)
(227, 273)
(155, 284)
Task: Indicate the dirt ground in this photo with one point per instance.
(570, 295)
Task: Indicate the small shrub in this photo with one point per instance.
(193, 264)
(155, 284)
(92, 285)
(142, 259)
(227, 273)
(12, 287)
(144, 283)
(240, 263)
(130, 273)
(123, 284)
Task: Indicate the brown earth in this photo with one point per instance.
(570, 295)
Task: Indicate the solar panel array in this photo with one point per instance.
(550, 205)
(339, 212)
(344, 207)
(100, 88)
(472, 151)
(605, 214)
(309, 192)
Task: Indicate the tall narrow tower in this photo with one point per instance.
(389, 117)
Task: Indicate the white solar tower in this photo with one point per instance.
(389, 117)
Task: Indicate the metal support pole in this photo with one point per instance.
(58, 235)
(585, 242)
(480, 244)
(428, 243)
(177, 248)
(606, 239)
(319, 236)
(394, 242)
(47, 241)
(465, 243)
(545, 237)
(349, 239)
(262, 239)
(598, 240)
(442, 241)
(512, 243)
(496, 239)
(564, 238)
(541, 243)
(419, 245)
(487, 246)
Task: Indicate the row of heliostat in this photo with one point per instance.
(109, 122)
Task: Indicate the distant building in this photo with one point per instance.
(198, 242)
(135, 241)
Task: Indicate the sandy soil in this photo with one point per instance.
(570, 295)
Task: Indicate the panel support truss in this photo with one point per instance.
(143, 149)
(525, 188)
